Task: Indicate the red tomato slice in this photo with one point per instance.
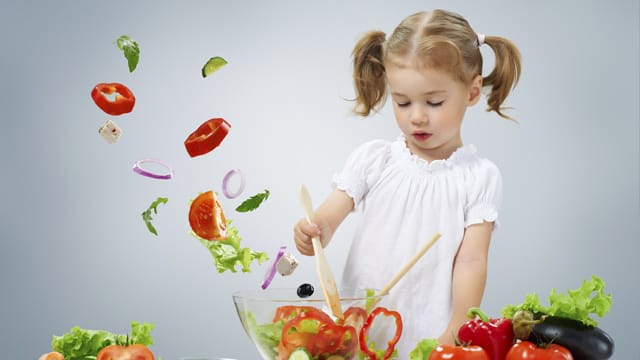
(206, 217)
(131, 352)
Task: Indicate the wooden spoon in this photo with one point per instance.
(327, 282)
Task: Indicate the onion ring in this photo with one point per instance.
(139, 170)
(271, 271)
(225, 184)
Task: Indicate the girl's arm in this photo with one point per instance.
(469, 277)
(326, 219)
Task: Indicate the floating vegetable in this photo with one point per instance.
(305, 290)
(227, 179)
(131, 51)
(212, 65)
(271, 270)
(146, 215)
(287, 264)
(206, 217)
(110, 132)
(495, 336)
(253, 202)
(138, 169)
(122, 103)
(227, 253)
(207, 137)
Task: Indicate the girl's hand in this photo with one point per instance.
(303, 232)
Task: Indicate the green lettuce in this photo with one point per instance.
(83, 344)
(423, 349)
(227, 253)
(266, 335)
(576, 304)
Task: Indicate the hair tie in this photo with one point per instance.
(480, 39)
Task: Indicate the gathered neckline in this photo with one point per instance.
(461, 155)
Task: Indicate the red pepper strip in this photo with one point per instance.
(495, 336)
(391, 343)
(123, 102)
(207, 136)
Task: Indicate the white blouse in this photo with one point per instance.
(403, 201)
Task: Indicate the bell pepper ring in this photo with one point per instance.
(138, 169)
(207, 137)
(391, 344)
(122, 102)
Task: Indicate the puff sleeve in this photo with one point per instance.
(485, 194)
(362, 169)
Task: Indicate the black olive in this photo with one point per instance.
(305, 290)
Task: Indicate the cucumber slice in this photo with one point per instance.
(300, 354)
(213, 65)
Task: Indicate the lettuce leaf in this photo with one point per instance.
(423, 349)
(84, 344)
(576, 304)
(227, 253)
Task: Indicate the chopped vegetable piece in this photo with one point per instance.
(225, 184)
(287, 264)
(110, 132)
(122, 103)
(391, 343)
(138, 169)
(253, 202)
(423, 349)
(131, 51)
(212, 65)
(227, 253)
(207, 137)
(146, 215)
(271, 270)
(300, 354)
(206, 217)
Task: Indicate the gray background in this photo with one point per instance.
(76, 252)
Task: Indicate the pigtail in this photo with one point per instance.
(505, 74)
(369, 73)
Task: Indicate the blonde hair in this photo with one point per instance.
(438, 39)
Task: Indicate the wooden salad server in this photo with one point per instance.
(327, 282)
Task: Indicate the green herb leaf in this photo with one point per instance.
(253, 202)
(227, 253)
(212, 65)
(131, 51)
(146, 215)
(576, 304)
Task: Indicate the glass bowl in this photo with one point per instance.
(280, 323)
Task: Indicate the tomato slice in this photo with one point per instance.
(131, 352)
(207, 136)
(206, 217)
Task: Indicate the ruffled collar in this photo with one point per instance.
(461, 155)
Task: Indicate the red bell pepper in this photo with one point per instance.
(391, 343)
(495, 336)
(122, 103)
(207, 136)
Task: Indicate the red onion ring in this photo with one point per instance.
(225, 184)
(271, 271)
(139, 170)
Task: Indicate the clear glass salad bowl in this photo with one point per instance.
(284, 326)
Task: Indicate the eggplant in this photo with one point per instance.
(585, 342)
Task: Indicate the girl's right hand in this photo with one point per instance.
(303, 232)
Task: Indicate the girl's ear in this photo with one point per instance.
(475, 90)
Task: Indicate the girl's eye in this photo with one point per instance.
(405, 104)
(434, 104)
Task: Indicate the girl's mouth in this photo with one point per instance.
(421, 136)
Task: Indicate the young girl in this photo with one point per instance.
(426, 180)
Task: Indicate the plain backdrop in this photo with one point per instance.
(75, 250)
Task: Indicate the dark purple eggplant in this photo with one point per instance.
(584, 342)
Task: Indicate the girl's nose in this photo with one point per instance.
(419, 116)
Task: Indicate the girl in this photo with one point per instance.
(426, 180)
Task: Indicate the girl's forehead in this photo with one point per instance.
(405, 76)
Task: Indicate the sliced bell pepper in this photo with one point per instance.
(391, 343)
(495, 336)
(122, 103)
(207, 137)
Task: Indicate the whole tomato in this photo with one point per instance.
(451, 352)
(131, 352)
(524, 350)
